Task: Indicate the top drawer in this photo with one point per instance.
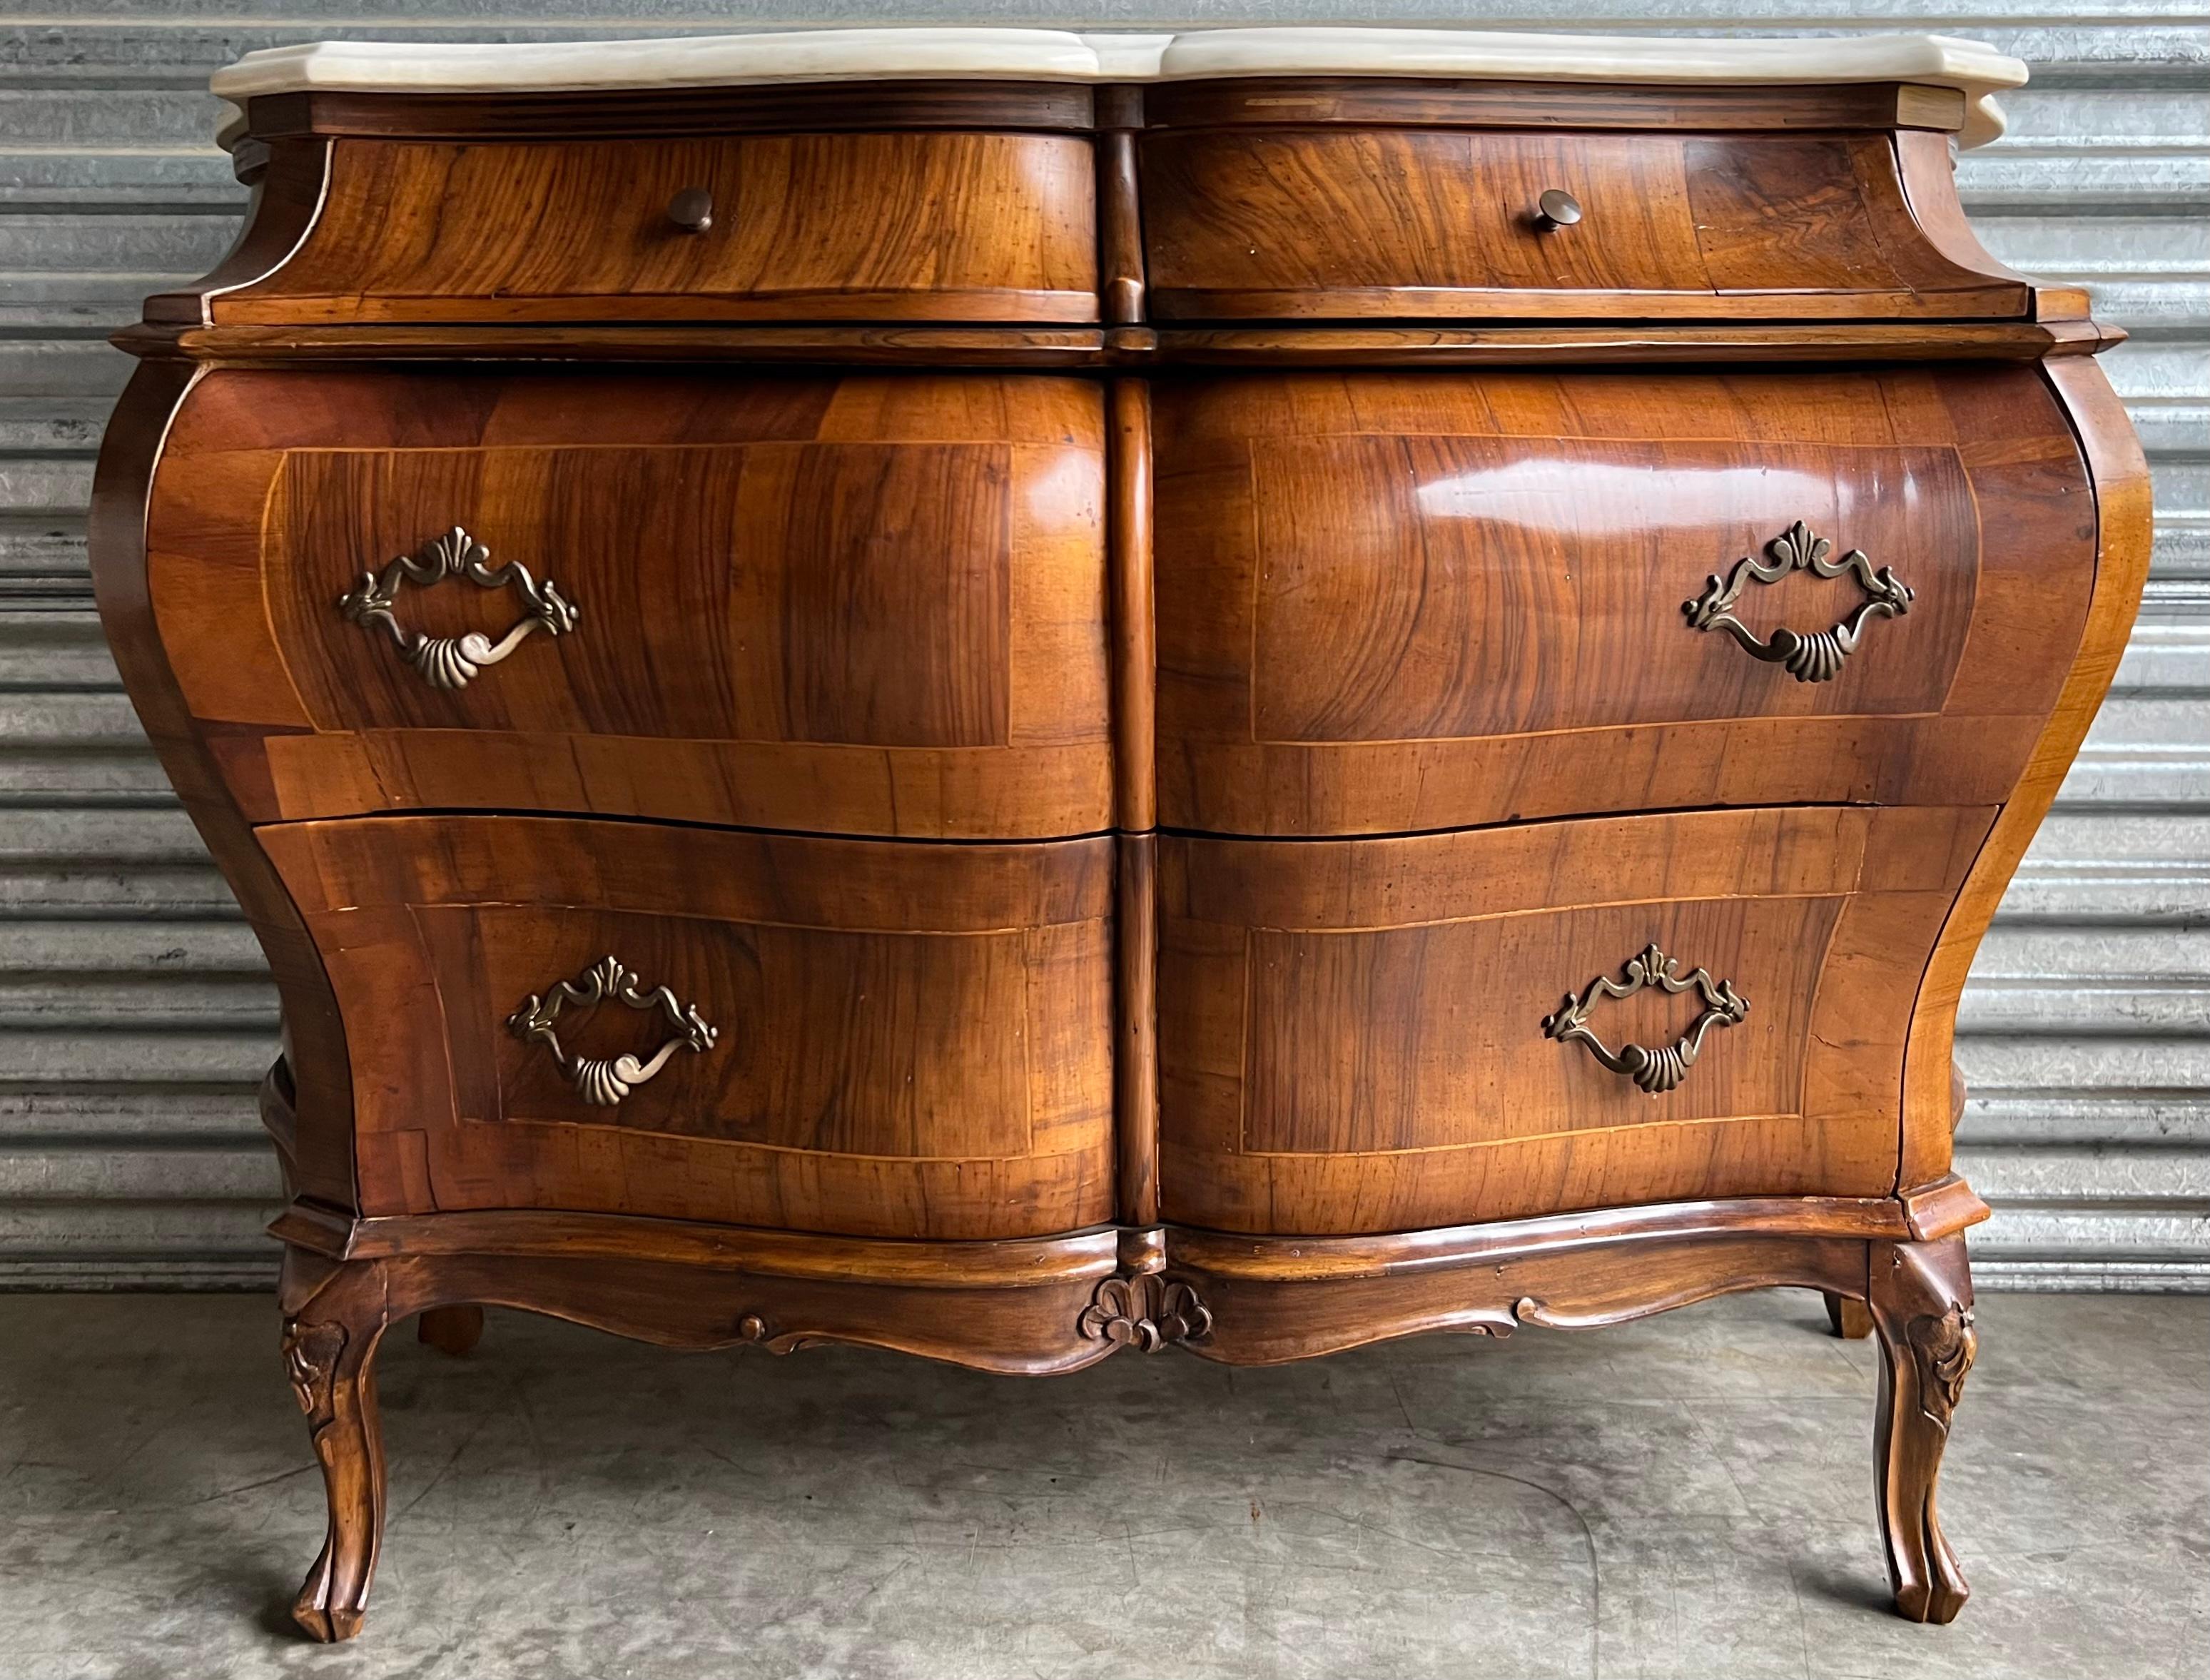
(1363, 222)
(953, 226)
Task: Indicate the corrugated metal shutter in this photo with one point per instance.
(135, 1016)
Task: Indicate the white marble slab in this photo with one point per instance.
(1052, 55)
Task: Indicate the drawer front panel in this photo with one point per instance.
(860, 1037)
(1349, 222)
(1397, 602)
(1352, 1035)
(950, 227)
(864, 605)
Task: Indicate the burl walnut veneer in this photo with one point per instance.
(1062, 694)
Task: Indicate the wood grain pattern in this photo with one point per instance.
(854, 1088)
(1290, 1260)
(1135, 1017)
(651, 112)
(1120, 275)
(312, 1068)
(2115, 515)
(1262, 1321)
(1391, 602)
(1644, 345)
(1005, 1263)
(1928, 167)
(1944, 1207)
(821, 227)
(1378, 101)
(920, 527)
(865, 605)
(930, 345)
(1351, 1032)
(1335, 223)
(1131, 541)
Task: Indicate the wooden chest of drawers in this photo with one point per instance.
(1065, 695)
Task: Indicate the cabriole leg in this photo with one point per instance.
(1922, 1308)
(1851, 1319)
(450, 1329)
(335, 1314)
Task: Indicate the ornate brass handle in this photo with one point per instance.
(606, 1082)
(1815, 657)
(453, 662)
(1655, 1071)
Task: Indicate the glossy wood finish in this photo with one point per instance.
(865, 605)
(915, 1042)
(809, 226)
(2121, 518)
(675, 112)
(1214, 507)
(1343, 222)
(316, 1160)
(1136, 1041)
(927, 345)
(1350, 1033)
(1393, 603)
(1135, 610)
(1629, 344)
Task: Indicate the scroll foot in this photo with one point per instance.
(334, 1316)
(1922, 1308)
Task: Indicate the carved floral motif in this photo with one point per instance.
(1146, 1312)
(312, 1352)
(1945, 1348)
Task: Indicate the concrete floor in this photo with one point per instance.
(1687, 1496)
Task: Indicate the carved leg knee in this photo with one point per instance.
(1921, 1307)
(334, 1315)
(1850, 1319)
(450, 1329)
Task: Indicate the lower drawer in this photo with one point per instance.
(855, 1037)
(1382, 1034)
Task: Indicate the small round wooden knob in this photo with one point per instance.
(1555, 209)
(692, 210)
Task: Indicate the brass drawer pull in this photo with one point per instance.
(1655, 1071)
(1815, 657)
(606, 1082)
(1555, 209)
(453, 662)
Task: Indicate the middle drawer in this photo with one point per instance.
(863, 605)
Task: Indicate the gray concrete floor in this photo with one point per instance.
(1686, 1496)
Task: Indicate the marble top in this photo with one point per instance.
(1052, 55)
